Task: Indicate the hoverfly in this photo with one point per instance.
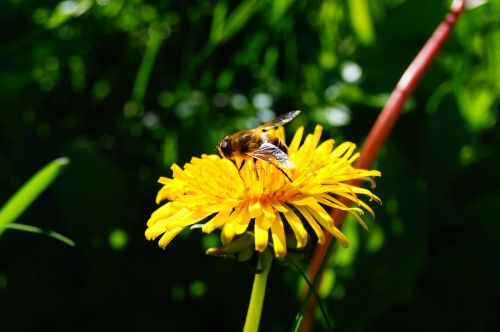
(259, 144)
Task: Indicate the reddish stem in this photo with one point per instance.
(383, 126)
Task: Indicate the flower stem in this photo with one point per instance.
(383, 127)
(258, 292)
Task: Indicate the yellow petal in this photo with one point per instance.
(174, 215)
(314, 225)
(151, 234)
(327, 223)
(241, 219)
(294, 145)
(316, 135)
(187, 219)
(220, 219)
(325, 148)
(279, 207)
(168, 236)
(279, 239)
(343, 148)
(164, 180)
(297, 227)
(305, 200)
(255, 209)
(162, 212)
(240, 229)
(330, 201)
(227, 234)
(170, 191)
(261, 235)
(179, 174)
(269, 215)
(353, 158)
(359, 220)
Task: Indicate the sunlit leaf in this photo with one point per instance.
(361, 21)
(279, 8)
(30, 191)
(476, 106)
(66, 10)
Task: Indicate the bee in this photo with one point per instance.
(259, 144)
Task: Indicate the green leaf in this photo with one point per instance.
(33, 229)
(66, 10)
(361, 21)
(30, 191)
(234, 22)
(218, 21)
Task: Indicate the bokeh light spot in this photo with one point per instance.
(338, 116)
(239, 101)
(101, 89)
(3, 281)
(210, 241)
(177, 292)
(376, 238)
(351, 72)
(197, 288)
(262, 100)
(117, 239)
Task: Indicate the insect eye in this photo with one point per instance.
(223, 144)
(224, 147)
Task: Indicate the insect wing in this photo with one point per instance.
(272, 154)
(279, 121)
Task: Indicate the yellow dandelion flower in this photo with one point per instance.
(258, 197)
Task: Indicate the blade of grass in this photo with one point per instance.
(239, 17)
(218, 21)
(223, 29)
(155, 39)
(30, 191)
(300, 315)
(361, 21)
(37, 230)
(313, 287)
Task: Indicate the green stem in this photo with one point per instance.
(156, 37)
(258, 292)
(298, 318)
(312, 288)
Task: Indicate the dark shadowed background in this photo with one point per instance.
(126, 88)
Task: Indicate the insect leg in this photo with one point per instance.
(241, 165)
(284, 173)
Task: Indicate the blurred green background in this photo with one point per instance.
(126, 88)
